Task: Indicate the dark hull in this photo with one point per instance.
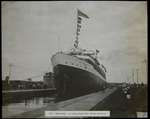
(72, 82)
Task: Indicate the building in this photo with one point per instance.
(49, 80)
(21, 84)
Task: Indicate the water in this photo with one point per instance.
(12, 109)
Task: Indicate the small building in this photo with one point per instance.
(22, 84)
(48, 79)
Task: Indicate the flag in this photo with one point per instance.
(79, 20)
(82, 14)
(76, 43)
(78, 29)
(78, 26)
(77, 33)
(97, 51)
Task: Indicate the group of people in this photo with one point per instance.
(126, 88)
(126, 91)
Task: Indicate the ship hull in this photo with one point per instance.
(71, 82)
(73, 79)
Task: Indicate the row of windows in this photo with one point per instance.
(76, 64)
(96, 67)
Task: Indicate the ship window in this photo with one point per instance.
(66, 62)
(96, 67)
(72, 64)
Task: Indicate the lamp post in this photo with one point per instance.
(9, 75)
(137, 76)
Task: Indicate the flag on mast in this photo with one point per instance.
(82, 14)
(79, 19)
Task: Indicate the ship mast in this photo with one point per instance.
(80, 15)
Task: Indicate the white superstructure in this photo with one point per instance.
(73, 61)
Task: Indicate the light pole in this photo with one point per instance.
(137, 76)
(145, 62)
(133, 75)
(10, 68)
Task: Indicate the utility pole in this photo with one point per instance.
(59, 43)
(137, 76)
(133, 75)
(10, 65)
(9, 75)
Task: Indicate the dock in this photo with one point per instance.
(111, 99)
(14, 95)
(84, 103)
(121, 106)
(29, 90)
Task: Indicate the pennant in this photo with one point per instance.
(78, 29)
(77, 33)
(78, 26)
(79, 20)
(82, 14)
(97, 51)
(76, 43)
(76, 37)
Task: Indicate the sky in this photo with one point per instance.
(33, 31)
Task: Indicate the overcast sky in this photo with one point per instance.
(30, 33)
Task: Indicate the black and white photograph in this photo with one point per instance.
(74, 59)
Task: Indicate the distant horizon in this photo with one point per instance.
(107, 82)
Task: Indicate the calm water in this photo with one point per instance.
(25, 105)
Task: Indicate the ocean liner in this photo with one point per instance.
(78, 71)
